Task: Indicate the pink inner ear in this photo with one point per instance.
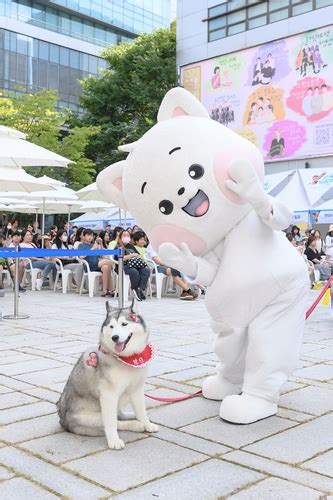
(178, 111)
(118, 183)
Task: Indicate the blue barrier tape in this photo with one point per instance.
(8, 252)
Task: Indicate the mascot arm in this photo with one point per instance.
(279, 216)
(197, 269)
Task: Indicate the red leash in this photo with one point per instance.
(198, 393)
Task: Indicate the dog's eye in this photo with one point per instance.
(124, 324)
(111, 326)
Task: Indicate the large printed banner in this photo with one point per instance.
(278, 95)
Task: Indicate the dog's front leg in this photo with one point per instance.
(139, 407)
(109, 406)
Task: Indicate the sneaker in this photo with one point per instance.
(39, 283)
(186, 295)
(142, 294)
(22, 289)
(137, 294)
(194, 294)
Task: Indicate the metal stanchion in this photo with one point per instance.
(121, 278)
(16, 314)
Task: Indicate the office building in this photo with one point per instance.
(264, 69)
(55, 43)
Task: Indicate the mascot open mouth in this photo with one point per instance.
(198, 205)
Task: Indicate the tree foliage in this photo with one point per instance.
(36, 116)
(125, 99)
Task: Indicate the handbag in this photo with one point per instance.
(136, 262)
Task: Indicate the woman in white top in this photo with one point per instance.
(60, 243)
(78, 238)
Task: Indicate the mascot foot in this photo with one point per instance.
(246, 409)
(216, 387)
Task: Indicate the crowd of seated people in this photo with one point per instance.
(140, 259)
(317, 250)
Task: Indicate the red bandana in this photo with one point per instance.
(138, 360)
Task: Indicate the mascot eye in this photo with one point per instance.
(196, 171)
(166, 207)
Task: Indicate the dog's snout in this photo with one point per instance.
(115, 338)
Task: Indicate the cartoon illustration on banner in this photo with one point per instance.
(278, 95)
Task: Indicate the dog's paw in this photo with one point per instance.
(116, 444)
(137, 426)
(151, 427)
(92, 360)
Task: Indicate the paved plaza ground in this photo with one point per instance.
(195, 455)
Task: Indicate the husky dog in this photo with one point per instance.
(103, 382)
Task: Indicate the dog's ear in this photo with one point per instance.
(108, 307)
(134, 306)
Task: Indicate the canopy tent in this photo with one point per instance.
(274, 183)
(99, 221)
(16, 151)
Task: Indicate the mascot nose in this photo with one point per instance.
(115, 338)
(181, 191)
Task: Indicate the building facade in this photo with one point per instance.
(55, 43)
(264, 69)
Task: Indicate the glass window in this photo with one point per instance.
(278, 16)
(88, 29)
(220, 22)
(301, 8)
(65, 23)
(236, 16)
(24, 10)
(256, 10)
(100, 33)
(84, 62)
(51, 18)
(236, 28)
(21, 72)
(76, 25)
(277, 4)
(54, 76)
(22, 44)
(64, 56)
(93, 65)
(38, 13)
(323, 3)
(257, 21)
(216, 35)
(12, 46)
(236, 4)
(43, 50)
(54, 53)
(42, 74)
(216, 11)
(74, 59)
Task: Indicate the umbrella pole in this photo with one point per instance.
(119, 216)
(69, 218)
(36, 218)
(16, 314)
(43, 222)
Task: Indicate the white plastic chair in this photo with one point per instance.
(33, 272)
(91, 277)
(66, 277)
(159, 278)
(6, 274)
(316, 272)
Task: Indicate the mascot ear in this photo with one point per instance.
(179, 102)
(128, 148)
(109, 183)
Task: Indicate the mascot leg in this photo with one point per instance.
(274, 342)
(230, 348)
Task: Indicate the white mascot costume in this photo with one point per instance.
(196, 188)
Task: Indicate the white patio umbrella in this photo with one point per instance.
(90, 192)
(17, 179)
(21, 208)
(16, 151)
(93, 206)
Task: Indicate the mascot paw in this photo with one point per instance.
(92, 360)
(246, 409)
(217, 388)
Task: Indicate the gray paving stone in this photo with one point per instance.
(326, 353)
(185, 412)
(28, 429)
(208, 481)
(294, 415)
(322, 464)
(197, 349)
(192, 442)
(310, 399)
(47, 475)
(15, 399)
(66, 446)
(41, 393)
(277, 489)
(285, 471)
(49, 376)
(160, 366)
(25, 412)
(317, 372)
(298, 444)
(5, 474)
(191, 373)
(5, 390)
(18, 488)
(290, 386)
(236, 436)
(137, 463)
(13, 383)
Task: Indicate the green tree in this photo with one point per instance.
(124, 101)
(36, 116)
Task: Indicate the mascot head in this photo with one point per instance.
(173, 180)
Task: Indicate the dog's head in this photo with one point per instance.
(124, 331)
